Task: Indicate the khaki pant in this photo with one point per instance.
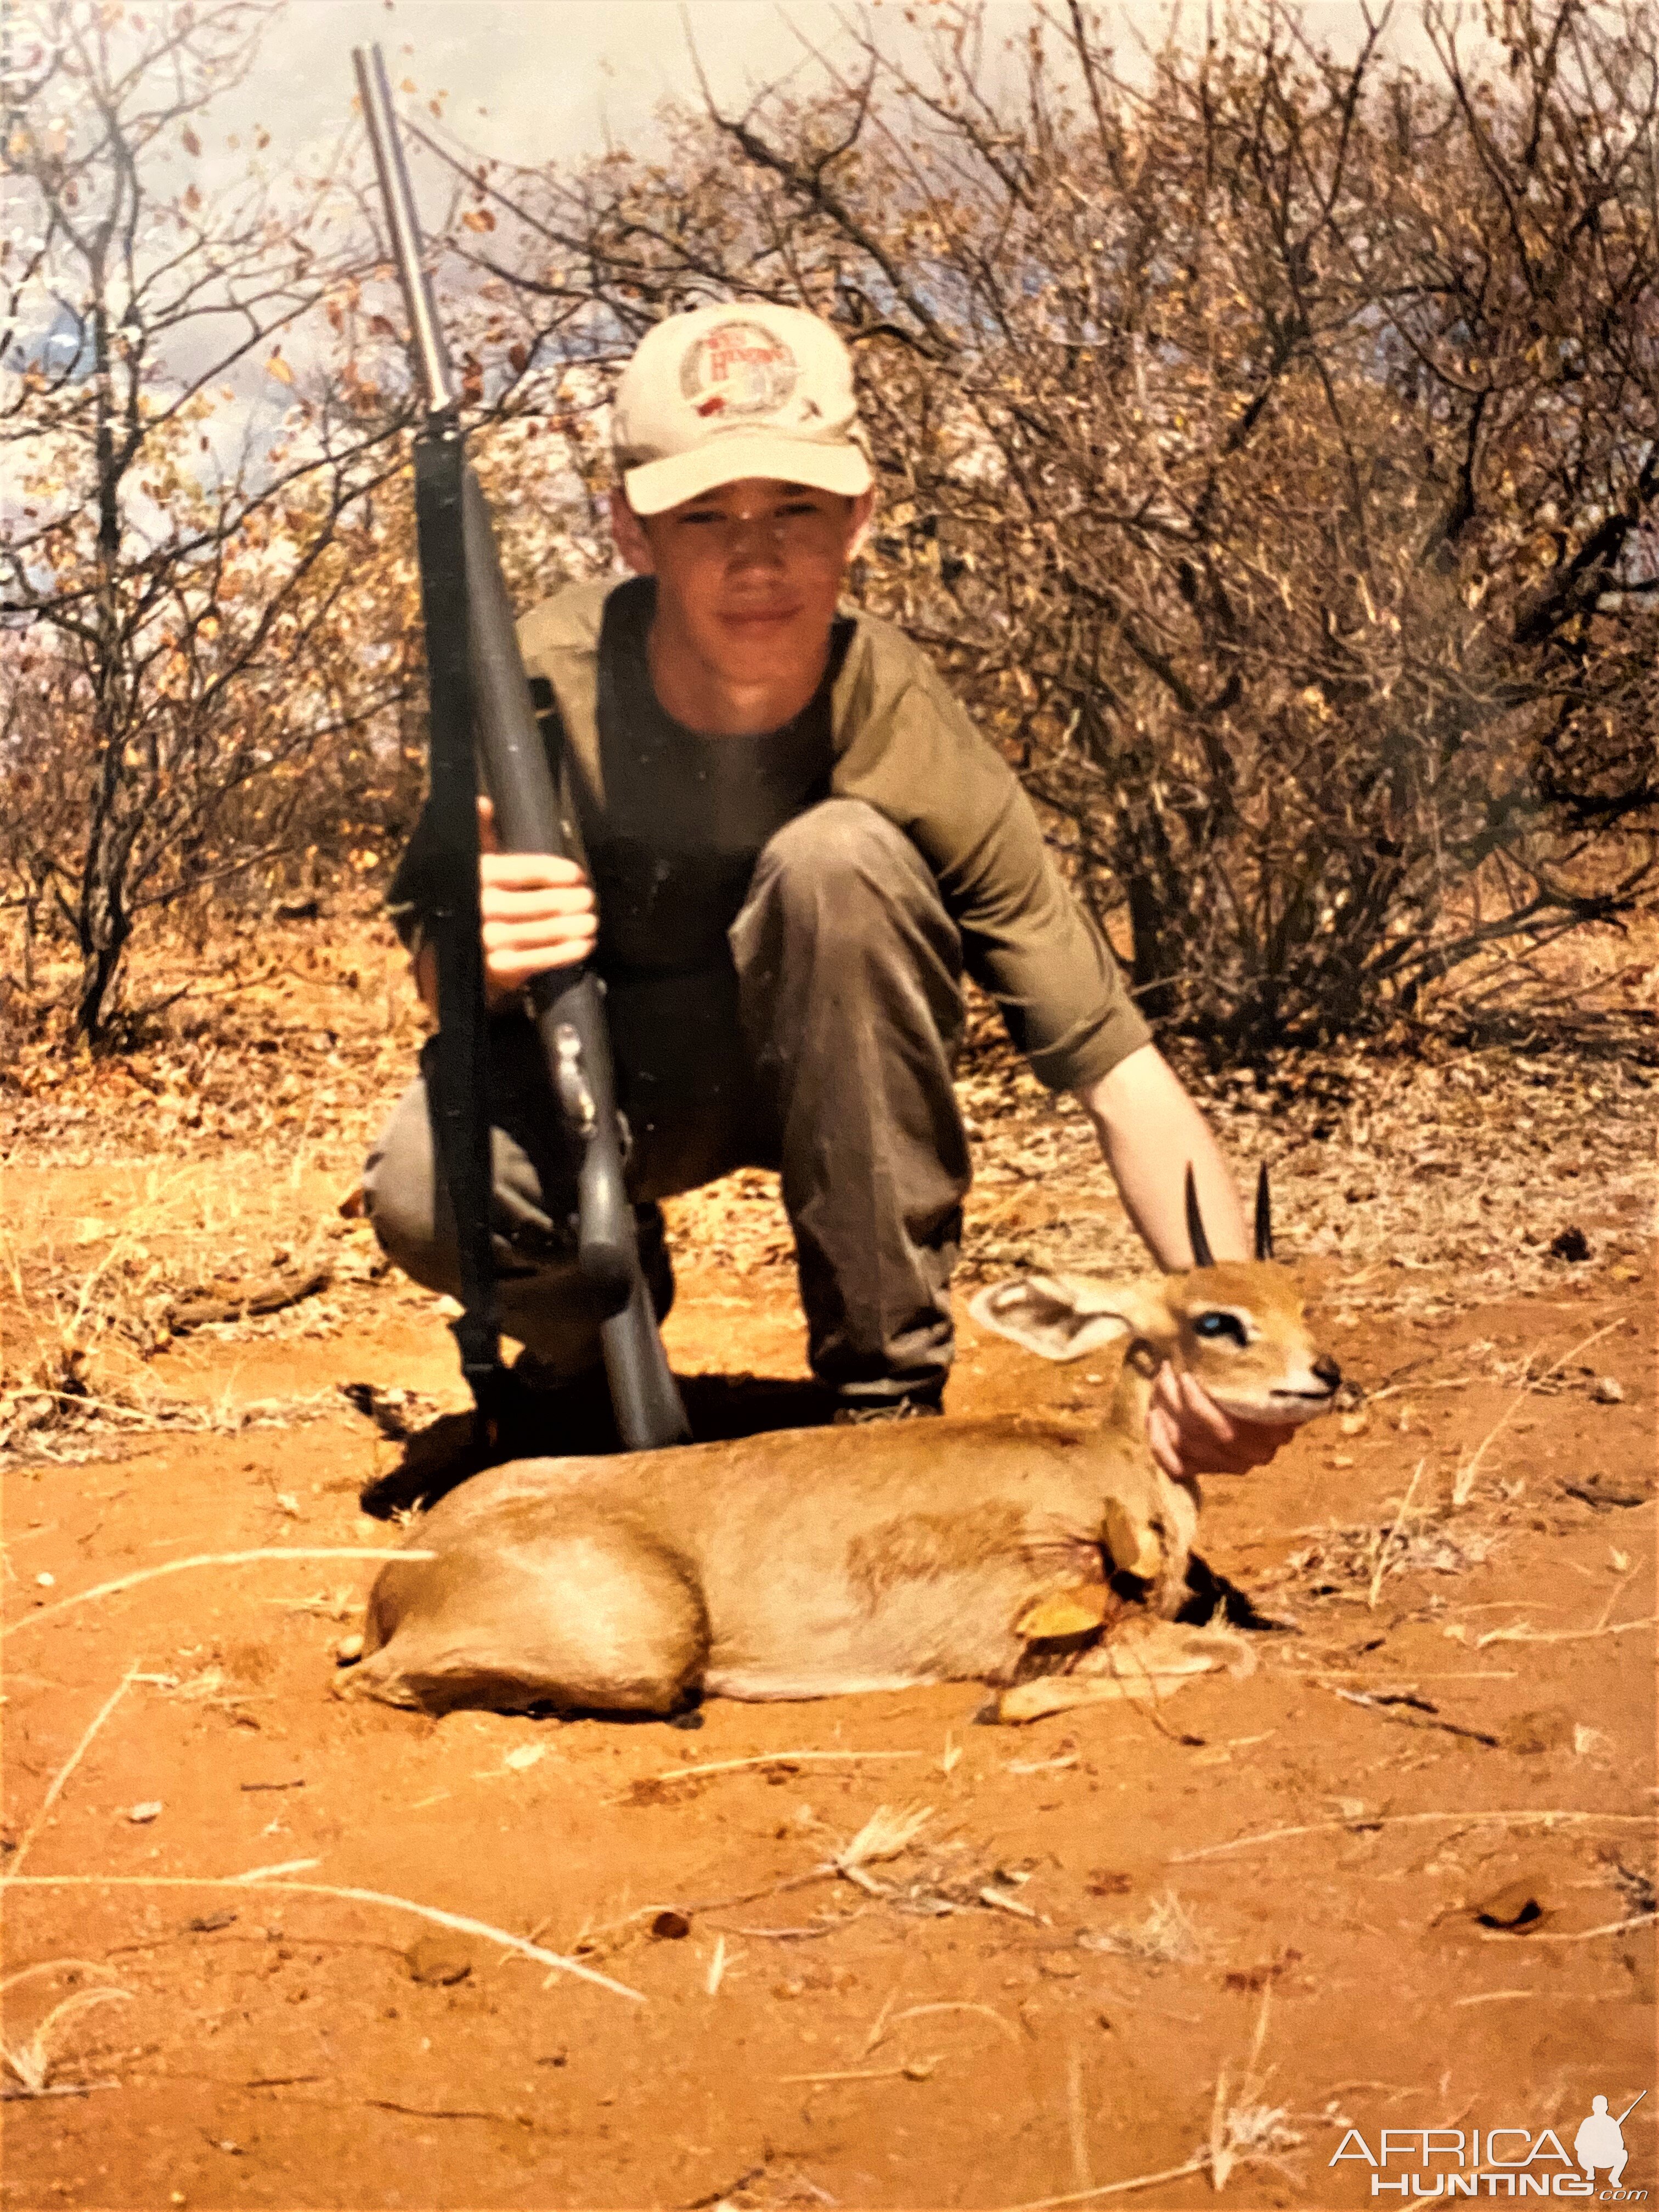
(824, 1050)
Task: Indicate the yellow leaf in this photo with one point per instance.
(1076, 1612)
(478, 219)
(1132, 1544)
(279, 368)
(192, 143)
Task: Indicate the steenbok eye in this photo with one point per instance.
(1216, 1325)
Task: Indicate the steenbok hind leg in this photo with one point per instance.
(593, 1622)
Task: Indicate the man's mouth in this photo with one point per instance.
(758, 617)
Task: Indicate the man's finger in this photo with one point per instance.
(1162, 1442)
(487, 839)
(551, 933)
(499, 903)
(512, 966)
(527, 871)
(1200, 1410)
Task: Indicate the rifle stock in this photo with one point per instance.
(488, 704)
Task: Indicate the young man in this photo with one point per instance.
(795, 843)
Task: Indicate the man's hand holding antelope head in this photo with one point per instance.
(1219, 1350)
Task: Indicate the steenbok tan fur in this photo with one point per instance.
(809, 1563)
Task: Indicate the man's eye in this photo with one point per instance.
(1214, 1325)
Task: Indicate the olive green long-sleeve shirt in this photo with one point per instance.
(899, 741)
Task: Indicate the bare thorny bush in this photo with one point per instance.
(1267, 443)
(188, 568)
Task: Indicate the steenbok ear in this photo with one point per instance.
(1062, 1317)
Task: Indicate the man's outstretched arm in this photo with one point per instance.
(1150, 1130)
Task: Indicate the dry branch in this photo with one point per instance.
(461, 1923)
(208, 1560)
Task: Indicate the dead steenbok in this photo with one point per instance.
(811, 1562)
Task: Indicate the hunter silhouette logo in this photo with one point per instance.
(738, 368)
(1600, 2140)
(1515, 2161)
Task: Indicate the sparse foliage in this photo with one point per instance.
(1267, 443)
(184, 564)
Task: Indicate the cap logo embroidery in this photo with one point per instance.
(738, 368)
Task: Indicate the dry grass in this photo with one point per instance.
(884, 1836)
(1167, 1936)
(30, 2062)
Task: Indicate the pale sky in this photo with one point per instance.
(531, 80)
(553, 76)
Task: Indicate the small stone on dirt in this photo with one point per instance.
(1608, 1390)
(669, 1927)
(1569, 1243)
(1106, 1881)
(438, 1961)
(1059, 1966)
(141, 1815)
(349, 1650)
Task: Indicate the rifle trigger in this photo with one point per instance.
(570, 1082)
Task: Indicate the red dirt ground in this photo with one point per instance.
(1244, 1925)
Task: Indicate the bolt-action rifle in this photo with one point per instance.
(484, 735)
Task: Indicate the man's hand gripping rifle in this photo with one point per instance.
(484, 731)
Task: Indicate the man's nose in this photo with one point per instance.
(754, 541)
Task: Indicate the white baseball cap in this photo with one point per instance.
(721, 393)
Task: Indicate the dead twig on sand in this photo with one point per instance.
(1574, 1935)
(54, 1787)
(1361, 1824)
(1521, 1633)
(769, 1759)
(207, 1559)
(461, 1923)
(199, 1309)
(1463, 1482)
(889, 2020)
(918, 2070)
(1414, 1716)
(1113, 2188)
(1388, 1542)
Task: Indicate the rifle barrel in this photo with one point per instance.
(431, 355)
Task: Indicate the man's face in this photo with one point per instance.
(748, 575)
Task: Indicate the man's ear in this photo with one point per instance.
(629, 533)
(858, 522)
